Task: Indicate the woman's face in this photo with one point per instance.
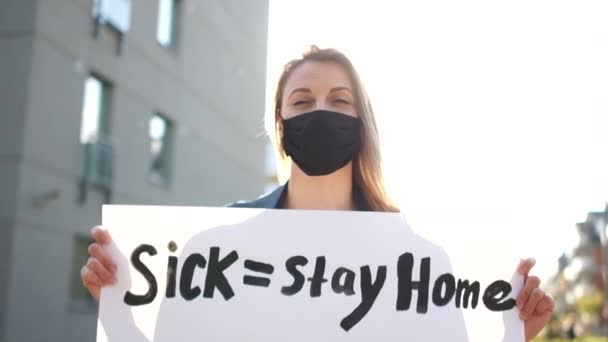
(318, 86)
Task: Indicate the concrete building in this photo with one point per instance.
(119, 101)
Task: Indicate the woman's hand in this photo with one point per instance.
(535, 305)
(99, 270)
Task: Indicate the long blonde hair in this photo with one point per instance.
(367, 170)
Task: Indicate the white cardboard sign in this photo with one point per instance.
(236, 274)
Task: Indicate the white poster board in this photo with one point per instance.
(297, 275)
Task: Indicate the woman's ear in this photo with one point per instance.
(278, 121)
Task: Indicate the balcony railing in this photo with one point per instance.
(97, 171)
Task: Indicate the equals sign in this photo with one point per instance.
(260, 267)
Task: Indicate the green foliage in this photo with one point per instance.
(590, 303)
(580, 339)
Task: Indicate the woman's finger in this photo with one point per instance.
(105, 276)
(101, 235)
(525, 266)
(535, 297)
(546, 304)
(96, 251)
(89, 278)
(531, 283)
(91, 281)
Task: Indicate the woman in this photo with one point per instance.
(325, 124)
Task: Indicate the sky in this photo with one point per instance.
(493, 116)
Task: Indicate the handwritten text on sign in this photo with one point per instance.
(190, 273)
(445, 287)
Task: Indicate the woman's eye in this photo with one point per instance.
(343, 101)
(300, 102)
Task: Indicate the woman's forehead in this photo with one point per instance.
(318, 75)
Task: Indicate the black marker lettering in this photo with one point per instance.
(215, 273)
(369, 293)
(185, 283)
(495, 293)
(257, 266)
(317, 278)
(171, 276)
(445, 287)
(260, 267)
(256, 281)
(469, 290)
(406, 285)
(298, 278)
(148, 297)
(348, 286)
(445, 280)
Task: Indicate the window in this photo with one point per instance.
(95, 110)
(168, 13)
(115, 12)
(80, 297)
(161, 134)
(98, 153)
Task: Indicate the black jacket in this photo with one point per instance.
(276, 199)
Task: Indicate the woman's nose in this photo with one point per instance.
(321, 104)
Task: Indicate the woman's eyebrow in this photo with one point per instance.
(300, 90)
(333, 90)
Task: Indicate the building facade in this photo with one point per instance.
(116, 101)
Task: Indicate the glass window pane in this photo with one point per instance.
(160, 135)
(115, 12)
(158, 127)
(91, 109)
(164, 31)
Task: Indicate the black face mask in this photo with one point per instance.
(321, 142)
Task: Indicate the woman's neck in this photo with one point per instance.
(331, 192)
